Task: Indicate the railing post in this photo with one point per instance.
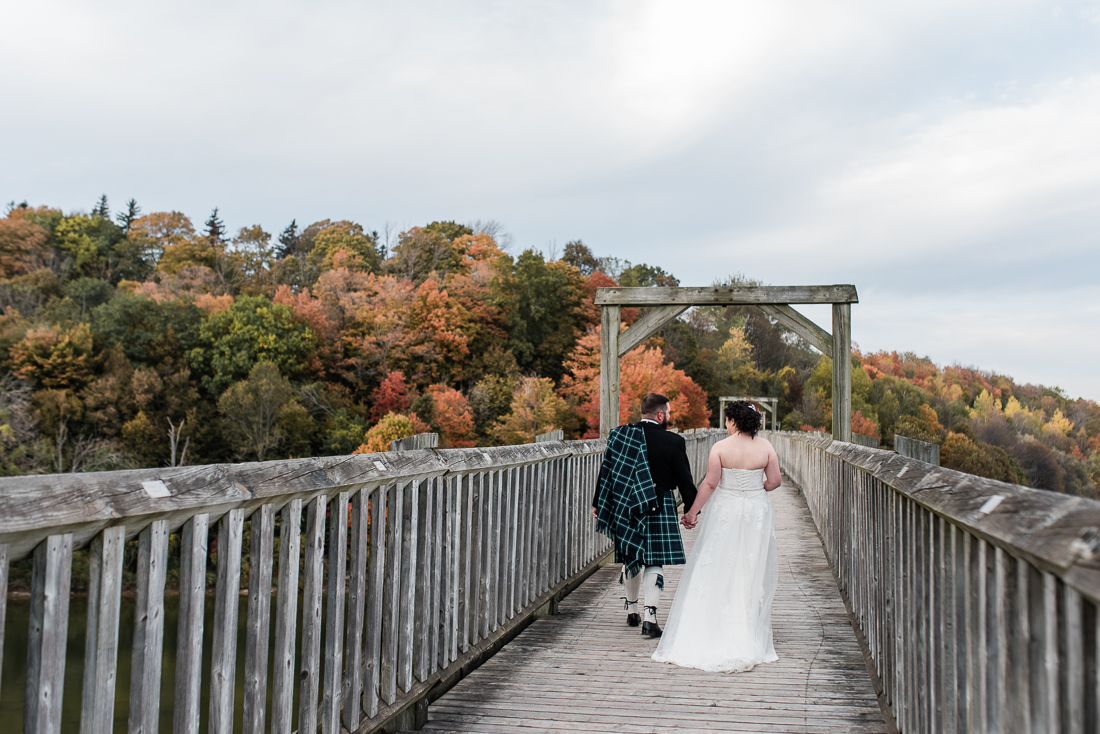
(842, 371)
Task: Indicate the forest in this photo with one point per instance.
(140, 340)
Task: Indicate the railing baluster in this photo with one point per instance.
(476, 584)
(1071, 670)
(439, 574)
(375, 589)
(312, 588)
(409, 580)
(391, 598)
(257, 634)
(47, 634)
(425, 539)
(101, 632)
(223, 666)
(148, 646)
(4, 551)
(332, 693)
(189, 636)
(357, 607)
(286, 619)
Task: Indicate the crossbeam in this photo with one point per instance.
(746, 295)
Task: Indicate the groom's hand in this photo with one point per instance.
(594, 514)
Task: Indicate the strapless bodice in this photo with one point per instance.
(742, 481)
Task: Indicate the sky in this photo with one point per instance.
(942, 156)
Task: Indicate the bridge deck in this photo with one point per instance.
(584, 670)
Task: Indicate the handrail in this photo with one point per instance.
(427, 559)
(977, 599)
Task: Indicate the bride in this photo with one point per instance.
(721, 617)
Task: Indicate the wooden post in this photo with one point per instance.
(842, 371)
(609, 369)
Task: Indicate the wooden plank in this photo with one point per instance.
(410, 516)
(746, 295)
(425, 582)
(332, 691)
(610, 319)
(391, 595)
(477, 556)
(438, 574)
(357, 609)
(375, 593)
(47, 634)
(189, 635)
(842, 371)
(223, 664)
(813, 334)
(465, 551)
(258, 626)
(3, 598)
(148, 646)
(510, 558)
(309, 675)
(97, 700)
(648, 324)
(495, 616)
(283, 674)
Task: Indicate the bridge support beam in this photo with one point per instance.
(842, 372)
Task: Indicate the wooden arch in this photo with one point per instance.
(665, 304)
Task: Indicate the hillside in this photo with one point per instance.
(133, 340)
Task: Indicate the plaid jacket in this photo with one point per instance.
(628, 510)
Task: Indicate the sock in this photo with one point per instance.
(654, 582)
(631, 587)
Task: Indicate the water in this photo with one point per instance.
(14, 665)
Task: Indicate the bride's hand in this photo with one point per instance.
(688, 520)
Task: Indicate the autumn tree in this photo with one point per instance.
(391, 428)
(262, 416)
(535, 409)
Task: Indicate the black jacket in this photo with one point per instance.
(668, 463)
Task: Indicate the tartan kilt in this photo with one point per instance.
(661, 531)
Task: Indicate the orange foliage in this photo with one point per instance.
(451, 414)
(22, 246)
(642, 371)
(392, 396)
(861, 424)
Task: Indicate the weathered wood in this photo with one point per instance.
(425, 538)
(375, 592)
(915, 449)
(476, 556)
(312, 587)
(609, 368)
(438, 574)
(391, 595)
(419, 441)
(189, 635)
(557, 435)
(3, 597)
(97, 700)
(148, 646)
(332, 690)
(357, 610)
(747, 295)
(283, 671)
(257, 633)
(813, 334)
(648, 324)
(410, 519)
(47, 634)
(223, 665)
(842, 371)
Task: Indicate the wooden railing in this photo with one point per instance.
(415, 565)
(977, 599)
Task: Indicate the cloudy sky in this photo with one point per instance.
(943, 156)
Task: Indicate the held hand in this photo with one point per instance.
(689, 520)
(594, 514)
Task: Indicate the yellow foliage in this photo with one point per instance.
(1058, 424)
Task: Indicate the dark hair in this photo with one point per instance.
(653, 402)
(745, 416)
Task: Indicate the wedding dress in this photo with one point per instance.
(721, 618)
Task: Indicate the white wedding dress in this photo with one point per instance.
(721, 618)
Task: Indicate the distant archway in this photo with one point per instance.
(665, 304)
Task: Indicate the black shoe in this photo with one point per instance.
(633, 620)
(650, 629)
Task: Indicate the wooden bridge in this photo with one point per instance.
(465, 590)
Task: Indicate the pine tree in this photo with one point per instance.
(101, 209)
(288, 240)
(126, 219)
(215, 229)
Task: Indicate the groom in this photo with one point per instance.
(634, 504)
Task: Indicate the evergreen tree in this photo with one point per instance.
(288, 240)
(126, 219)
(101, 209)
(215, 229)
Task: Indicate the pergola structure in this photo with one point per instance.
(665, 304)
(770, 404)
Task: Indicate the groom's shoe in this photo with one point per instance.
(650, 629)
(633, 620)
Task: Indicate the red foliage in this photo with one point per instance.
(452, 415)
(392, 396)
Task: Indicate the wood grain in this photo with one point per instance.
(101, 633)
(148, 645)
(189, 630)
(726, 295)
(258, 625)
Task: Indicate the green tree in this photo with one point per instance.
(261, 414)
(252, 330)
(150, 333)
(350, 237)
(215, 229)
(580, 256)
(540, 302)
(127, 218)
